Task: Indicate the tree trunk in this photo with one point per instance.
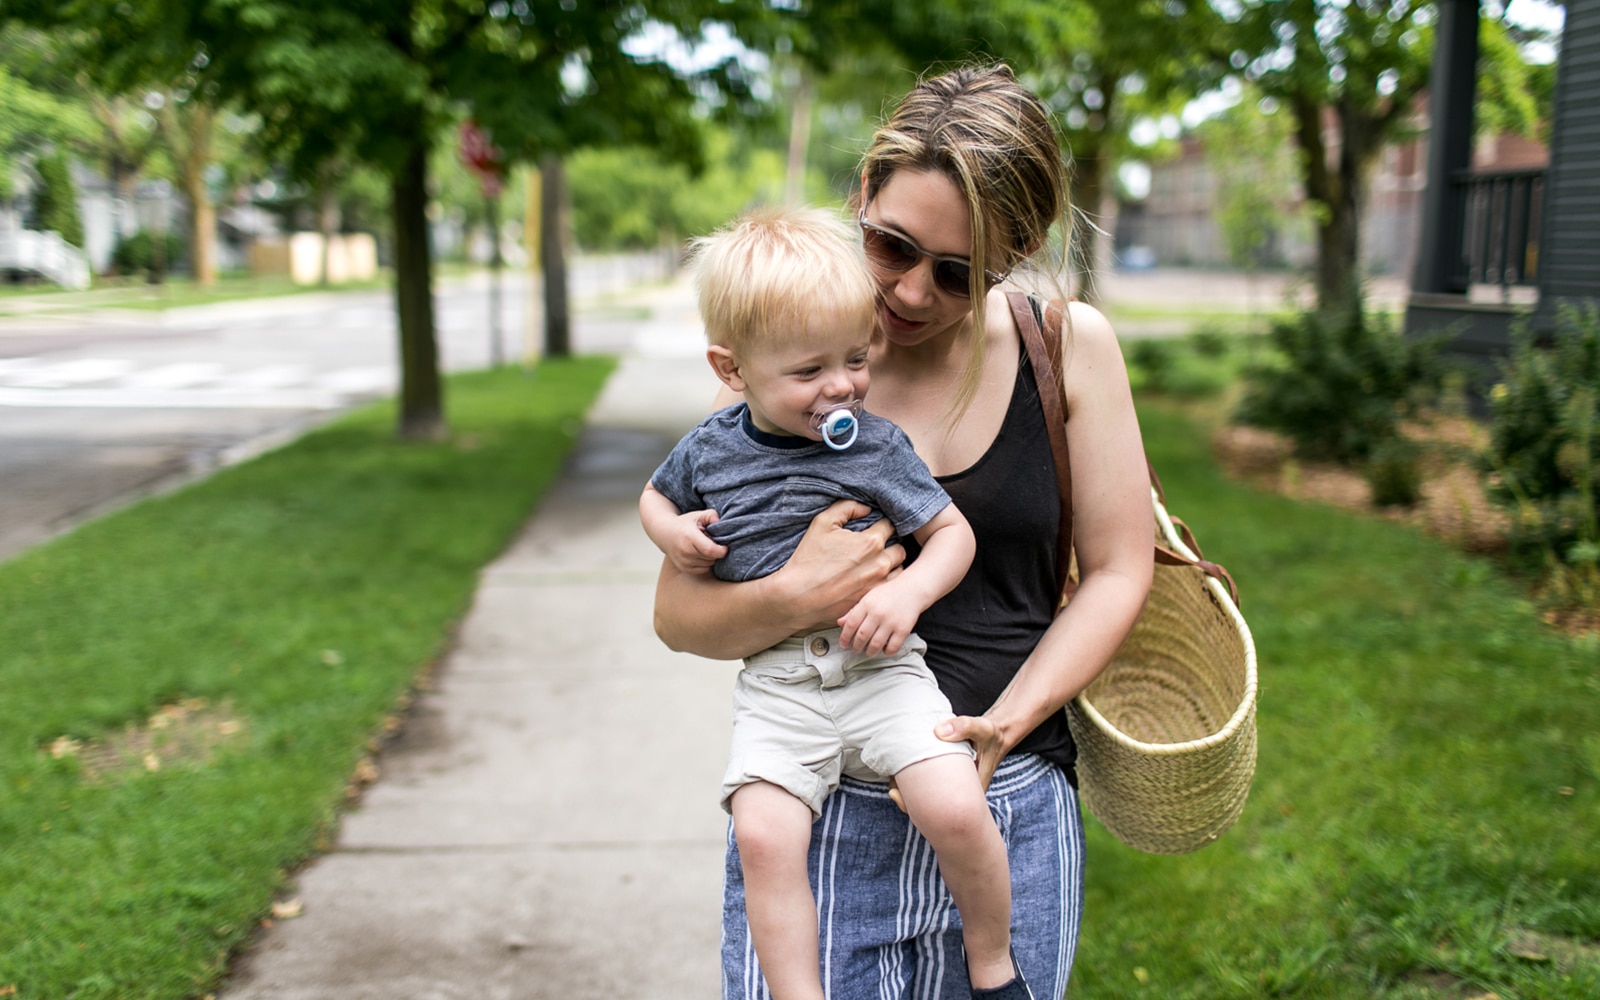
(1088, 198)
(202, 214)
(202, 228)
(553, 257)
(799, 139)
(1335, 196)
(421, 395)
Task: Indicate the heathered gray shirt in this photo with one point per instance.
(766, 488)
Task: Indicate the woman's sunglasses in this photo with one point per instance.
(894, 252)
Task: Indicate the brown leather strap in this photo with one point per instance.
(1044, 353)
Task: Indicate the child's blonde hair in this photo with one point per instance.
(776, 268)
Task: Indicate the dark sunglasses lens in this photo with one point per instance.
(888, 250)
(953, 278)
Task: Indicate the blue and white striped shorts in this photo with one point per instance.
(887, 925)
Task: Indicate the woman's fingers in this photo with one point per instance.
(984, 736)
(836, 566)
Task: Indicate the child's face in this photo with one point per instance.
(791, 377)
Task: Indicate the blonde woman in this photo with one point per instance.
(962, 185)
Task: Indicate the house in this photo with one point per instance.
(1499, 245)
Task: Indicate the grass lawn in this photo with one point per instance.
(176, 292)
(187, 686)
(1425, 819)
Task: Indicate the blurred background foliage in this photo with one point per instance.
(670, 116)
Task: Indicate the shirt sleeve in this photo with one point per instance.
(674, 478)
(910, 497)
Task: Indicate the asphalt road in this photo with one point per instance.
(99, 408)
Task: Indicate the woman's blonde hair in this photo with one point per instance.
(774, 270)
(993, 138)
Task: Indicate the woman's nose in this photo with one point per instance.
(915, 287)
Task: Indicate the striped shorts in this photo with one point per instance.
(888, 927)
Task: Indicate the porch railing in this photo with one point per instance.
(1498, 216)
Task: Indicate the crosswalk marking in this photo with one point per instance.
(176, 376)
(117, 383)
(69, 373)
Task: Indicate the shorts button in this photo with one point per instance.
(819, 646)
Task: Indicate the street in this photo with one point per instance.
(98, 408)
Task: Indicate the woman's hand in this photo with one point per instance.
(985, 737)
(834, 567)
(830, 571)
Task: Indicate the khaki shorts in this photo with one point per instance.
(807, 710)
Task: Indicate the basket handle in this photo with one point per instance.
(1033, 317)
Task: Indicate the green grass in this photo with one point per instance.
(300, 594)
(175, 293)
(1425, 818)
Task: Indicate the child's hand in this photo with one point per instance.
(879, 623)
(689, 548)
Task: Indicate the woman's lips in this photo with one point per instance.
(895, 321)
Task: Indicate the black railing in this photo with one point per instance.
(1498, 216)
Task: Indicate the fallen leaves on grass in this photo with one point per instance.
(185, 732)
(287, 909)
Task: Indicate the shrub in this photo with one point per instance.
(1338, 388)
(135, 254)
(1193, 367)
(1151, 359)
(1544, 441)
(1394, 472)
(55, 202)
(1211, 342)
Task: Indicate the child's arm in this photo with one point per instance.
(881, 621)
(681, 538)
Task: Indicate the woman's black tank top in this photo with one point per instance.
(979, 633)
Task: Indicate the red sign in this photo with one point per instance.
(484, 158)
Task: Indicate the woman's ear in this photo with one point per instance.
(726, 364)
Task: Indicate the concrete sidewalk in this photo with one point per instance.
(547, 825)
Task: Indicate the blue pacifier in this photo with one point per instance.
(838, 424)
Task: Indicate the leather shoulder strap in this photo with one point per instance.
(1040, 326)
(1044, 354)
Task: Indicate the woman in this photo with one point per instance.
(961, 184)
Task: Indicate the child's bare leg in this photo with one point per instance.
(773, 829)
(945, 800)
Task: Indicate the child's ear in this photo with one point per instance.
(726, 365)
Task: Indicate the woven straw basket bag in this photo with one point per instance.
(1166, 734)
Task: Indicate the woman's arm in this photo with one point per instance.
(1113, 534)
(826, 576)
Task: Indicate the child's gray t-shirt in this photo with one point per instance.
(766, 488)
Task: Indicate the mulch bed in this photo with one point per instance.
(1453, 506)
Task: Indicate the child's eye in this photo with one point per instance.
(806, 372)
(858, 362)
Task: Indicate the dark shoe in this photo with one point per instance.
(1017, 989)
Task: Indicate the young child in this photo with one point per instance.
(788, 303)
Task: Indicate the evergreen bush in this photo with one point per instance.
(55, 201)
(1394, 472)
(135, 254)
(1339, 387)
(1544, 442)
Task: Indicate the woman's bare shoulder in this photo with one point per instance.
(1093, 357)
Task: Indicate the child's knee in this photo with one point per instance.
(770, 825)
